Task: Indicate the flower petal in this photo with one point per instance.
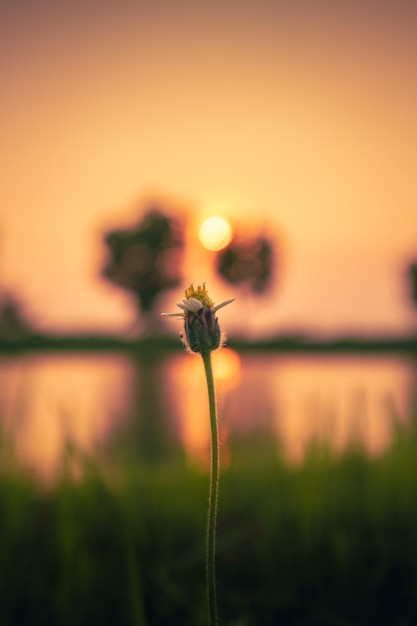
(195, 304)
(222, 304)
(192, 304)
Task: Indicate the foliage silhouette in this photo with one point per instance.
(13, 324)
(146, 259)
(412, 275)
(247, 263)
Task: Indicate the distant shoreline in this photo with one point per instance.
(161, 344)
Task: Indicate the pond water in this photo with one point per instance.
(154, 407)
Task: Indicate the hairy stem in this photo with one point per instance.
(213, 494)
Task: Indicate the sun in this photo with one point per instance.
(215, 233)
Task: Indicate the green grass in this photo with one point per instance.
(333, 542)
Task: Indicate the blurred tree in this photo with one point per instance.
(146, 259)
(247, 263)
(412, 275)
(13, 324)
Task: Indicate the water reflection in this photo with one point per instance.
(49, 400)
(149, 433)
(154, 408)
(340, 400)
(187, 389)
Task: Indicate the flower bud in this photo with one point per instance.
(202, 331)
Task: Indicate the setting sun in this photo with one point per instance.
(215, 233)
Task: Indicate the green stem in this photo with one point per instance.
(213, 494)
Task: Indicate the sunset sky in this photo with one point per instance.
(295, 117)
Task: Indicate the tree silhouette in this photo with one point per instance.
(247, 263)
(412, 276)
(13, 324)
(146, 259)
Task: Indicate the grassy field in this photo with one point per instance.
(333, 542)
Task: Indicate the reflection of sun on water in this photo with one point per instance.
(194, 422)
(47, 401)
(215, 233)
(226, 367)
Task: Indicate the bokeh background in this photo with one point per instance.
(268, 149)
(295, 117)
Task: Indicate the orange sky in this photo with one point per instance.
(299, 114)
